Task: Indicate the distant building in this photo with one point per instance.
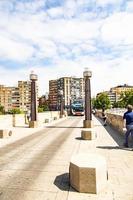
(53, 95)
(119, 89)
(24, 97)
(72, 88)
(16, 97)
(6, 97)
(115, 92)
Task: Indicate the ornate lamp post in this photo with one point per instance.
(61, 103)
(33, 120)
(88, 115)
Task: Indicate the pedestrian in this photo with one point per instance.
(128, 123)
(104, 118)
(28, 115)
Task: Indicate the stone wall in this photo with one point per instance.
(6, 121)
(113, 119)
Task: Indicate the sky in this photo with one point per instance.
(60, 38)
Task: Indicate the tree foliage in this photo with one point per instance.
(15, 111)
(43, 108)
(2, 111)
(125, 99)
(101, 101)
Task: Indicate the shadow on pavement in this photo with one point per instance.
(62, 182)
(79, 138)
(115, 147)
(62, 127)
(115, 134)
(26, 126)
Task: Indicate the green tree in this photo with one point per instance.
(2, 111)
(15, 111)
(43, 108)
(102, 101)
(40, 109)
(126, 98)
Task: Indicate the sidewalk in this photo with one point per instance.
(34, 165)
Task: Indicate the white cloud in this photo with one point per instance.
(117, 29)
(11, 49)
(106, 2)
(72, 38)
(31, 6)
(55, 12)
(129, 6)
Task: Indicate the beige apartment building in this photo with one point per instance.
(119, 89)
(115, 92)
(24, 98)
(6, 97)
(72, 89)
(16, 97)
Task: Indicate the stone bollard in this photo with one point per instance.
(88, 134)
(55, 118)
(5, 133)
(46, 121)
(88, 173)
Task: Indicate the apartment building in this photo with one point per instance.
(115, 92)
(24, 98)
(53, 95)
(16, 97)
(6, 97)
(71, 87)
(119, 89)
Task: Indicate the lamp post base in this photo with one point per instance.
(88, 134)
(33, 124)
(87, 123)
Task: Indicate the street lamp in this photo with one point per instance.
(61, 103)
(88, 115)
(33, 120)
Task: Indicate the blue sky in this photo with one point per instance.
(57, 38)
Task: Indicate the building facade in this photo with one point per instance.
(6, 97)
(24, 88)
(72, 89)
(115, 92)
(16, 97)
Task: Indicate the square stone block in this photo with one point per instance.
(88, 173)
(88, 134)
(5, 133)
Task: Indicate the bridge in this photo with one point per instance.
(34, 162)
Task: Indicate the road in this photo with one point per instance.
(35, 166)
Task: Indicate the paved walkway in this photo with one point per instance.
(34, 163)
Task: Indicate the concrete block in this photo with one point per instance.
(5, 133)
(88, 134)
(88, 173)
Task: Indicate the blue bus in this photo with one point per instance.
(77, 108)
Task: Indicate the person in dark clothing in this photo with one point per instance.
(128, 123)
(104, 117)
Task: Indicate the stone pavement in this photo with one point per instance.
(34, 163)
